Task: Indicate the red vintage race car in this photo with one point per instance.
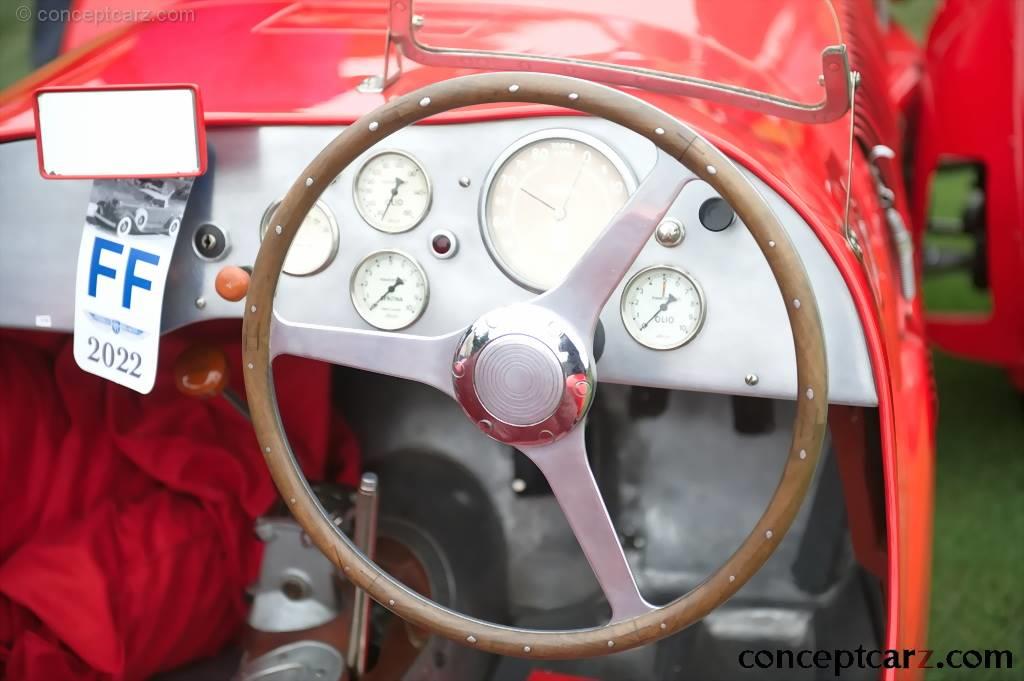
(585, 340)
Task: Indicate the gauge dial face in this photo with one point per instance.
(662, 307)
(392, 192)
(389, 290)
(315, 245)
(547, 201)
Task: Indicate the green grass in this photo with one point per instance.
(977, 590)
(14, 43)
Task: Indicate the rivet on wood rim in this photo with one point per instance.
(574, 96)
(267, 450)
(278, 229)
(768, 534)
(249, 365)
(252, 308)
(810, 393)
(712, 170)
(527, 649)
(771, 244)
(803, 453)
(659, 131)
(732, 578)
(513, 88)
(611, 644)
(425, 101)
(374, 125)
(292, 500)
(796, 303)
(309, 181)
(471, 639)
(664, 626)
(391, 601)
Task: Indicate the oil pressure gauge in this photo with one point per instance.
(392, 192)
(389, 290)
(662, 307)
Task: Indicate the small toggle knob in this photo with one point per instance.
(201, 371)
(232, 283)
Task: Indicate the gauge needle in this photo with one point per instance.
(394, 191)
(661, 308)
(568, 195)
(391, 289)
(536, 198)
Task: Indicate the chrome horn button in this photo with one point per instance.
(523, 375)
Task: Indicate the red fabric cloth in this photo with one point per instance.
(126, 539)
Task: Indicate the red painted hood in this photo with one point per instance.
(301, 61)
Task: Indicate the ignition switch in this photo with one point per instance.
(210, 242)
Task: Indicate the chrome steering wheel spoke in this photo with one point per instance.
(424, 359)
(564, 465)
(581, 297)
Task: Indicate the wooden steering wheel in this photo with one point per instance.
(525, 373)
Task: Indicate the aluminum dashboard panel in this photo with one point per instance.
(746, 330)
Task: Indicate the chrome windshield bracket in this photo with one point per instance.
(402, 24)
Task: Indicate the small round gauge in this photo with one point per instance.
(392, 192)
(316, 243)
(547, 198)
(389, 290)
(662, 307)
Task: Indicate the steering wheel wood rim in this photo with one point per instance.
(707, 163)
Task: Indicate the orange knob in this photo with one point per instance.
(232, 283)
(201, 371)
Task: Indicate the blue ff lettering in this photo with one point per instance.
(95, 268)
(132, 280)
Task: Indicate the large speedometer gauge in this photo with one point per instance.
(392, 192)
(662, 307)
(546, 199)
(315, 244)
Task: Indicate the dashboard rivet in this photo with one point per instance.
(425, 101)
(659, 131)
(464, 182)
(712, 170)
(309, 181)
(527, 649)
(803, 453)
(278, 229)
(796, 303)
(374, 125)
(670, 233)
(471, 639)
(200, 302)
(574, 96)
(751, 379)
(513, 88)
(768, 534)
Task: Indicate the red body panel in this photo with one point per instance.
(978, 114)
(309, 76)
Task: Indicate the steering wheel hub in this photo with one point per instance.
(523, 375)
